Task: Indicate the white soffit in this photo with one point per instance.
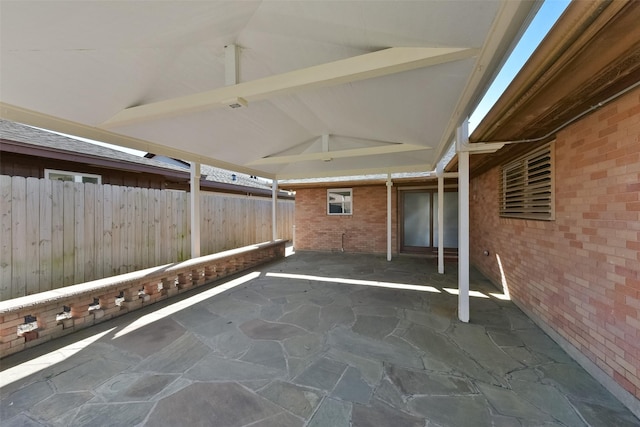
(387, 81)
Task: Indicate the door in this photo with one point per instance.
(416, 221)
(419, 224)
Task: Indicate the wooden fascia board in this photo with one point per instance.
(554, 84)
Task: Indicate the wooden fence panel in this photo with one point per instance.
(33, 236)
(58, 233)
(157, 242)
(19, 235)
(107, 230)
(6, 239)
(144, 228)
(129, 235)
(98, 232)
(116, 224)
(46, 231)
(88, 238)
(78, 247)
(182, 227)
(69, 234)
(164, 216)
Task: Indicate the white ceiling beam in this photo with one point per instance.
(326, 156)
(418, 168)
(376, 64)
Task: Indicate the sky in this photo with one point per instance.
(539, 27)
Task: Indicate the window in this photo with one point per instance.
(72, 176)
(526, 186)
(339, 201)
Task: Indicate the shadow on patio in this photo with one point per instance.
(316, 339)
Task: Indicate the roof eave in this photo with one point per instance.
(572, 69)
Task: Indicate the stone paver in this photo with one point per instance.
(207, 404)
(322, 374)
(58, 404)
(411, 382)
(298, 400)
(262, 330)
(332, 413)
(290, 352)
(459, 411)
(352, 387)
(122, 414)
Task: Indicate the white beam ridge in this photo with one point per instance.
(231, 69)
(367, 66)
(353, 172)
(324, 155)
(325, 143)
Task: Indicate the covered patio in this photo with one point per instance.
(281, 90)
(317, 339)
(309, 90)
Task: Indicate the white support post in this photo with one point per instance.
(194, 183)
(274, 209)
(389, 185)
(440, 174)
(463, 222)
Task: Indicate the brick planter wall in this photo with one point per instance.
(579, 274)
(364, 231)
(28, 321)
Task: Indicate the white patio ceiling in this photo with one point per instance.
(332, 87)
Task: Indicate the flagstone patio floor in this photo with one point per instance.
(317, 339)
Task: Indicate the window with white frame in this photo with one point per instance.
(527, 186)
(339, 201)
(57, 175)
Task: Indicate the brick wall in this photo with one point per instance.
(364, 231)
(580, 274)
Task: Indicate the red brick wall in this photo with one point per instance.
(580, 274)
(364, 231)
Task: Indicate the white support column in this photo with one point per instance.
(194, 183)
(389, 185)
(463, 222)
(440, 174)
(274, 209)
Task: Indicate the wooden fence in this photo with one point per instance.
(55, 234)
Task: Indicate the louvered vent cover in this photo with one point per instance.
(526, 186)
